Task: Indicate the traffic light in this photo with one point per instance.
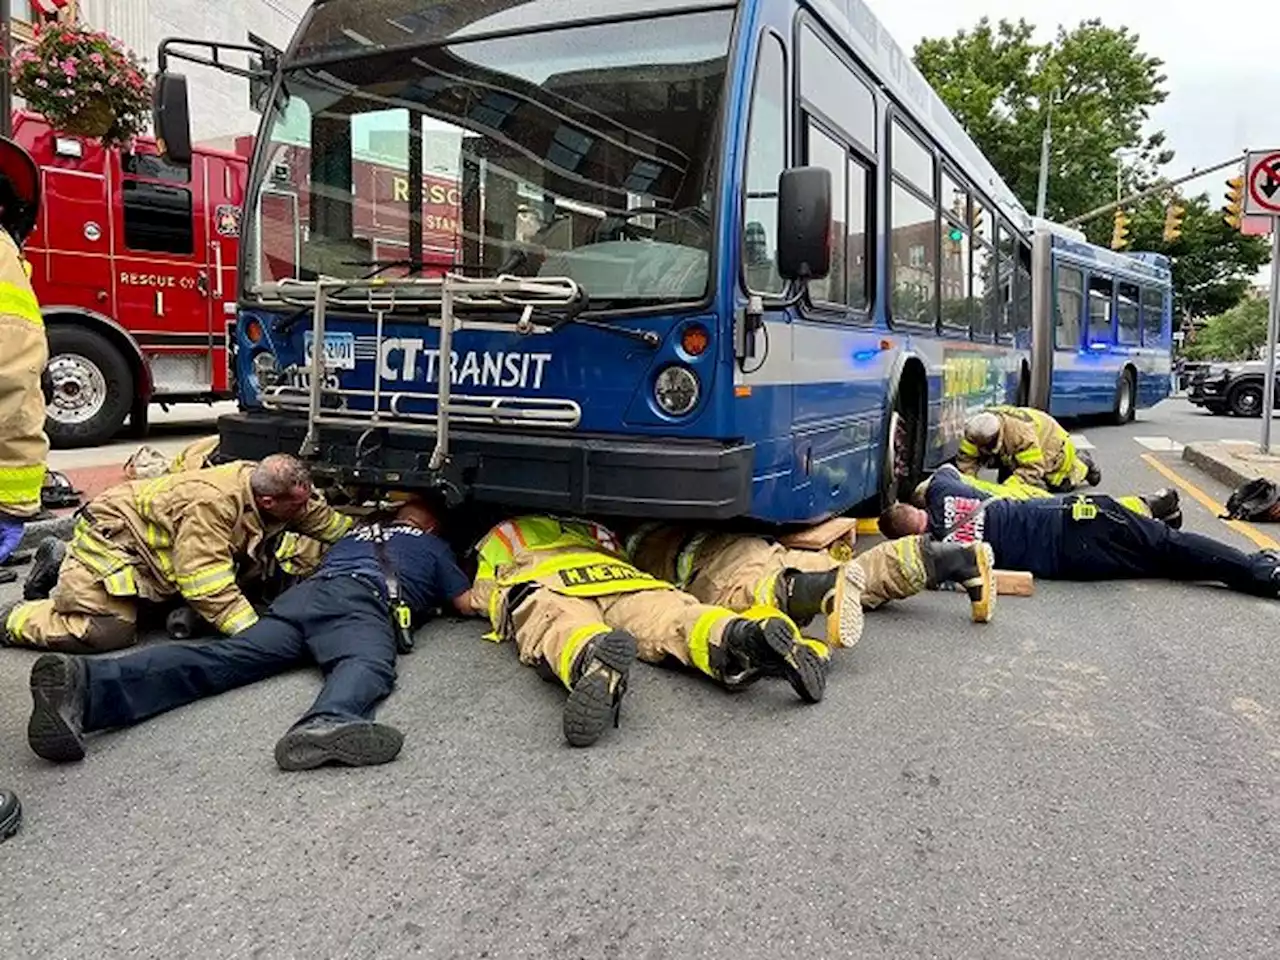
(1120, 235)
(1233, 212)
(1173, 215)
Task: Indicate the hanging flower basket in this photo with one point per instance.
(85, 83)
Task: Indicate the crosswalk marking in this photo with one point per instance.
(1081, 442)
(1159, 444)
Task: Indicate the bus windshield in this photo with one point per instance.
(585, 151)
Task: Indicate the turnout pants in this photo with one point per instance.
(742, 572)
(551, 626)
(80, 615)
(1113, 543)
(339, 623)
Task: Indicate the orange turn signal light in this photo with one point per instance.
(253, 331)
(695, 340)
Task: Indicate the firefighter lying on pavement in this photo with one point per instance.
(177, 535)
(1164, 505)
(743, 571)
(341, 619)
(1078, 537)
(1028, 444)
(581, 613)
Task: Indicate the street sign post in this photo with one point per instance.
(1262, 199)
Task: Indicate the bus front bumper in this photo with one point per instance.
(645, 478)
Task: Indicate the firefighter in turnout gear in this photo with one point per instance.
(179, 535)
(579, 611)
(742, 571)
(1028, 444)
(24, 448)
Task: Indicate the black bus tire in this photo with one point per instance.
(1126, 403)
(93, 388)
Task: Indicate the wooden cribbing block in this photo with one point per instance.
(823, 536)
(1015, 583)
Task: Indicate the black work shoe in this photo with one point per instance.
(1163, 503)
(1173, 520)
(802, 596)
(359, 743)
(10, 814)
(43, 575)
(56, 728)
(774, 648)
(600, 681)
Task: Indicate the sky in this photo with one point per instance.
(1223, 73)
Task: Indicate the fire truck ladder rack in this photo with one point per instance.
(422, 297)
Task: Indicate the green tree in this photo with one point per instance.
(999, 84)
(1235, 334)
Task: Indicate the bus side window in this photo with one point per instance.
(913, 243)
(985, 286)
(766, 159)
(1128, 327)
(1022, 308)
(1100, 332)
(1067, 307)
(1153, 317)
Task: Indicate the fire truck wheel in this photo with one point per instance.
(92, 388)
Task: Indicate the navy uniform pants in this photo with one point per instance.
(1118, 544)
(338, 623)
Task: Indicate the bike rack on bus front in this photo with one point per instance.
(381, 297)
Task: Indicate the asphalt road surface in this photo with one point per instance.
(1093, 775)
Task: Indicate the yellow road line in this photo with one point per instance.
(1239, 526)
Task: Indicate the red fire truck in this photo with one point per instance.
(134, 262)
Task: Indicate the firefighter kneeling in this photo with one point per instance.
(580, 612)
(739, 572)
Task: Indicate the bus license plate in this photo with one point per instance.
(339, 350)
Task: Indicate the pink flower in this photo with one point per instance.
(97, 59)
(42, 83)
(69, 67)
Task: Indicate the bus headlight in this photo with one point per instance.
(676, 390)
(265, 371)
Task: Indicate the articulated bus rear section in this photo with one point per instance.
(685, 280)
(1103, 328)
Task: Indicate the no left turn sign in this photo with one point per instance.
(1262, 178)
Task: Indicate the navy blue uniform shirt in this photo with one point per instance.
(1023, 534)
(424, 564)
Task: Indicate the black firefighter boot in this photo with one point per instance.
(600, 675)
(835, 593)
(43, 575)
(971, 565)
(58, 695)
(1165, 506)
(773, 647)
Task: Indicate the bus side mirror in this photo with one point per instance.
(172, 117)
(804, 223)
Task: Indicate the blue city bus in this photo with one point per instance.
(741, 260)
(1104, 341)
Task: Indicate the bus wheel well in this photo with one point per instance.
(116, 337)
(907, 433)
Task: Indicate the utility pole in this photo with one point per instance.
(6, 83)
(1042, 192)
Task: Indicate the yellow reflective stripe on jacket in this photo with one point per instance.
(766, 592)
(241, 617)
(636, 536)
(588, 575)
(967, 448)
(20, 486)
(1063, 473)
(686, 557)
(18, 618)
(1136, 504)
(700, 638)
(95, 552)
(573, 646)
(910, 554)
(1029, 455)
(206, 581)
(17, 301)
(121, 583)
(336, 528)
